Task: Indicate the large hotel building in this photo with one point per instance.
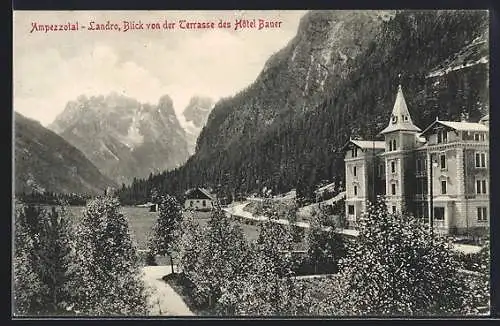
(442, 169)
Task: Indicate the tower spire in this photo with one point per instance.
(400, 117)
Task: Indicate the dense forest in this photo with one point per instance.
(53, 198)
(300, 148)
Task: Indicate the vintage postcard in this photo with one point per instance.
(329, 163)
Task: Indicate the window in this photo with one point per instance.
(354, 171)
(191, 203)
(443, 187)
(476, 137)
(443, 161)
(393, 188)
(350, 209)
(393, 167)
(405, 118)
(204, 203)
(354, 152)
(421, 186)
(355, 190)
(483, 137)
(392, 145)
(482, 214)
(420, 164)
(442, 136)
(480, 160)
(480, 186)
(380, 170)
(439, 213)
(393, 209)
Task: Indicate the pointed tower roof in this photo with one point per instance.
(400, 117)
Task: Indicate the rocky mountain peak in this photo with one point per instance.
(123, 137)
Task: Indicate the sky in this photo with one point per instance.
(52, 68)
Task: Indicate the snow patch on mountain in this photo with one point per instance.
(476, 52)
(442, 72)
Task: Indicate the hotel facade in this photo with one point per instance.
(442, 170)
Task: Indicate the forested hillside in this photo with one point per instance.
(442, 59)
(45, 162)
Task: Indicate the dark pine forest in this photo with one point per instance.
(302, 148)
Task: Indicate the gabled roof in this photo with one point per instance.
(198, 193)
(366, 144)
(485, 118)
(400, 117)
(369, 144)
(459, 126)
(420, 139)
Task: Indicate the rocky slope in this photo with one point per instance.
(294, 79)
(44, 161)
(336, 79)
(122, 137)
(196, 115)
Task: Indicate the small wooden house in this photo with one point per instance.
(199, 199)
(151, 206)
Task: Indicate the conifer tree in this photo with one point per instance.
(28, 289)
(267, 289)
(324, 246)
(397, 268)
(166, 231)
(106, 278)
(42, 249)
(222, 258)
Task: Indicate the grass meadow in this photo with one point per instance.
(141, 222)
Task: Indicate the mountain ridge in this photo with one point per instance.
(271, 134)
(123, 137)
(44, 161)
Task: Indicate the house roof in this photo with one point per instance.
(400, 117)
(460, 126)
(198, 193)
(420, 139)
(484, 119)
(366, 144)
(369, 144)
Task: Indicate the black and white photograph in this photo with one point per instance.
(245, 163)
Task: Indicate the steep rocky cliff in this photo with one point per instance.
(122, 137)
(196, 115)
(336, 79)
